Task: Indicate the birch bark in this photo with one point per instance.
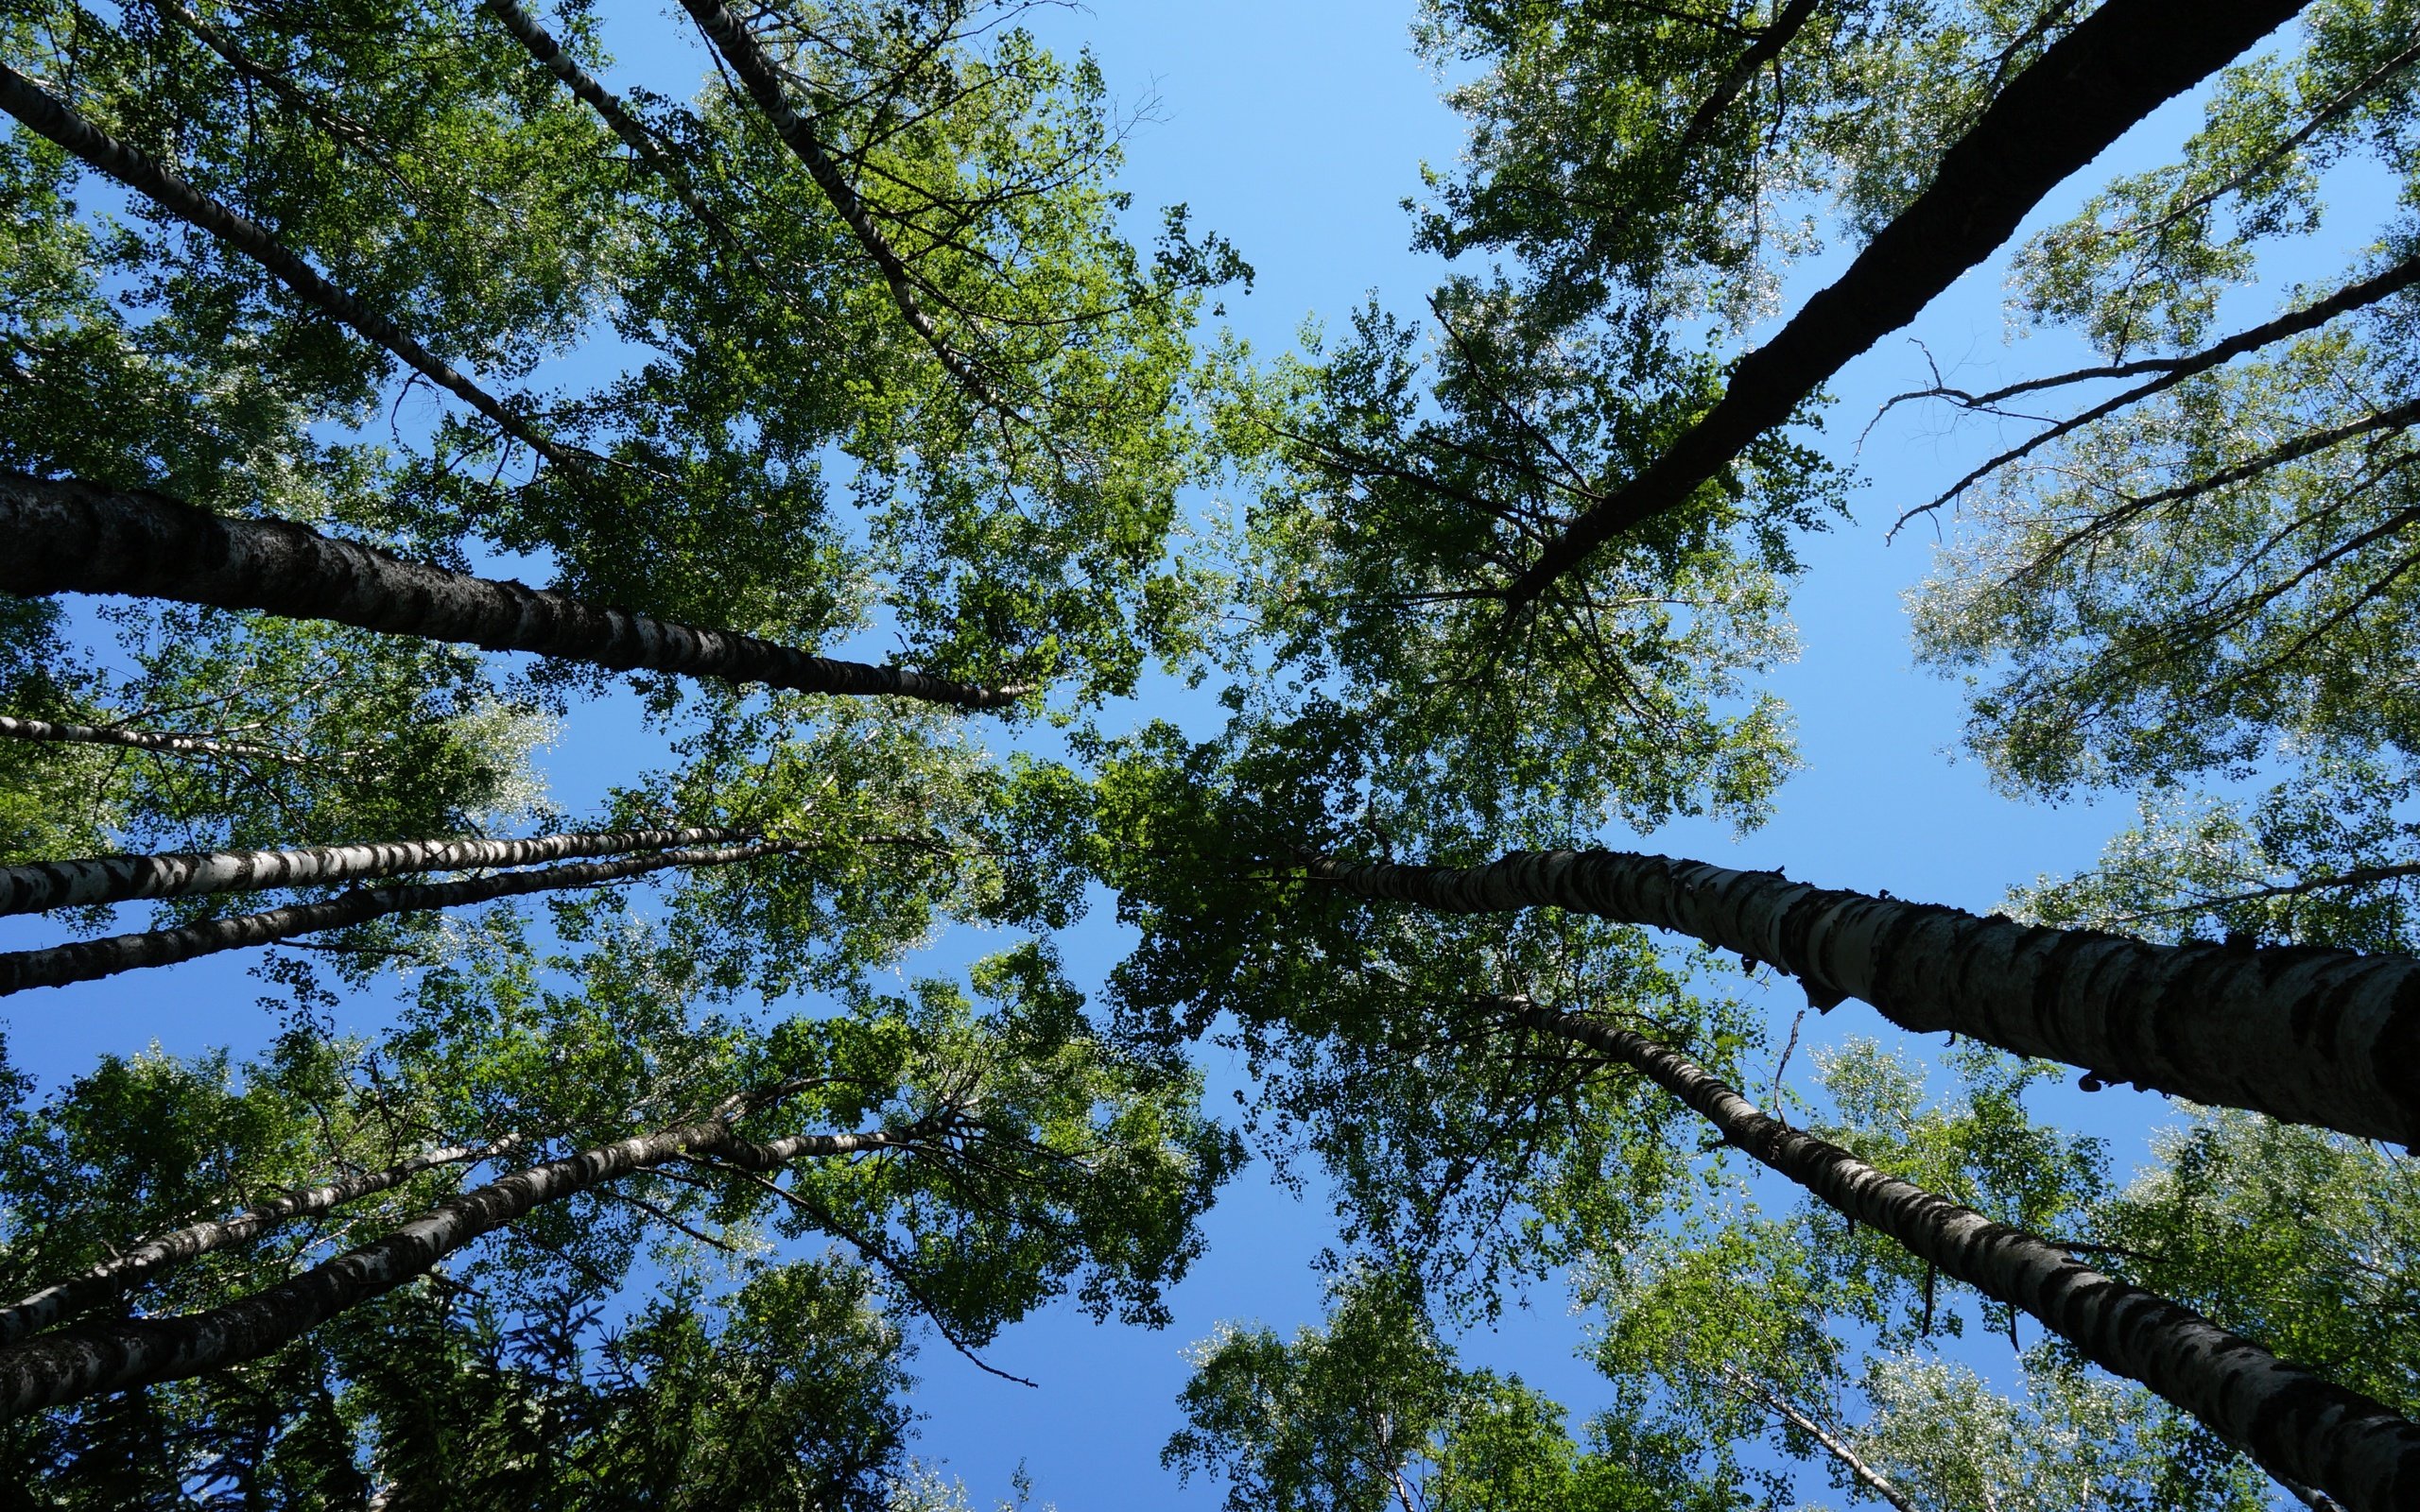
(39, 885)
(43, 1309)
(2295, 1425)
(70, 537)
(88, 960)
(1758, 1393)
(63, 1367)
(2321, 1037)
(45, 731)
(2121, 63)
(50, 117)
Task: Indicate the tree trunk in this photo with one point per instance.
(87, 960)
(1759, 1393)
(2321, 1037)
(1767, 48)
(69, 537)
(44, 1308)
(2294, 1424)
(633, 133)
(2085, 91)
(12, 728)
(50, 117)
(762, 82)
(67, 1366)
(45, 885)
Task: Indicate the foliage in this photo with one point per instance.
(1735, 1327)
(888, 365)
(1373, 1411)
(1607, 156)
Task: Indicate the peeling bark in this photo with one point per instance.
(2295, 1425)
(52, 118)
(39, 885)
(12, 728)
(67, 1366)
(2311, 1036)
(43, 1309)
(71, 537)
(88, 960)
(2120, 63)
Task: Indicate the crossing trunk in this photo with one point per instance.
(71, 537)
(2297, 1426)
(2319, 1037)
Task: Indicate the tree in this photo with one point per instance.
(1030, 1158)
(1807, 1332)
(1373, 1412)
(316, 328)
(2199, 574)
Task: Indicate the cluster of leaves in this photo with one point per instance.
(2204, 577)
(1373, 1411)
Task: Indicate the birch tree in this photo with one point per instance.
(1083, 1171)
(1830, 1342)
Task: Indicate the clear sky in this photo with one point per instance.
(1296, 129)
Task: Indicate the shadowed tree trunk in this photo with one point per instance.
(79, 1363)
(170, 742)
(69, 537)
(763, 83)
(37, 885)
(633, 133)
(2120, 63)
(2321, 1037)
(43, 1309)
(1787, 24)
(52, 118)
(88, 960)
(2295, 1425)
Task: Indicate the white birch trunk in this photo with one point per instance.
(43, 1309)
(87, 960)
(45, 885)
(67, 1366)
(2321, 1037)
(2294, 1424)
(12, 728)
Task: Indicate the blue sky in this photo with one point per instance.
(1296, 130)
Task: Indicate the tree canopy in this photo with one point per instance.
(1041, 702)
